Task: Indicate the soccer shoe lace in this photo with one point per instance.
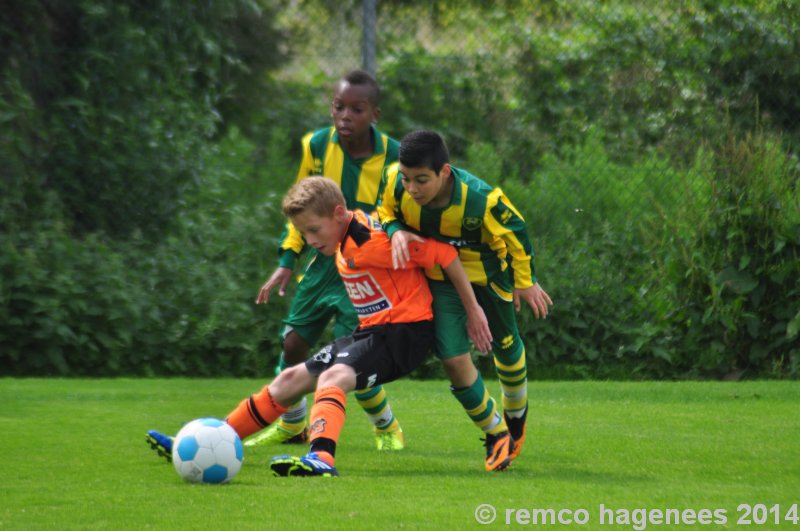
(390, 440)
(517, 427)
(277, 434)
(498, 449)
(160, 443)
(308, 465)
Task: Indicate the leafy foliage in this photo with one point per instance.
(184, 306)
(732, 258)
(651, 148)
(110, 105)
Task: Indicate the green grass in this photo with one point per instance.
(74, 457)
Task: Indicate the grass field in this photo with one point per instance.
(599, 454)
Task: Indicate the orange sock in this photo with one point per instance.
(255, 413)
(326, 420)
(325, 456)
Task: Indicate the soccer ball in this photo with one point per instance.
(207, 451)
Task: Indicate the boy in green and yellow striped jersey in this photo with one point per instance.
(428, 196)
(354, 154)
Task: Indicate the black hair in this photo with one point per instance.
(364, 79)
(423, 149)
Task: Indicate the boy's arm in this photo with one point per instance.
(506, 222)
(430, 252)
(290, 242)
(280, 277)
(477, 324)
(387, 209)
(377, 252)
(537, 299)
(387, 213)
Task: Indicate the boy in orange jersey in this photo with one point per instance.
(394, 335)
(395, 330)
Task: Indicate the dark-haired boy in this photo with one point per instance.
(355, 154)
(426, 194)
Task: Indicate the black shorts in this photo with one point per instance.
(378, 354)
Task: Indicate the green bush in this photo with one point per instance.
(663, 273)
(110, 104)
(729, 267)
(182, 307)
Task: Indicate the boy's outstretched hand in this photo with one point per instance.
(536, 298)
(279, 278)
(400, 253)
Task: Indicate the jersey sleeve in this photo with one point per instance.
(376, 252)
(504, 221)
(431, 252)
(390, 201)
(291, 242)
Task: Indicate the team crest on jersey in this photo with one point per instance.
(365, 293)
(317, 167)
(471, 223)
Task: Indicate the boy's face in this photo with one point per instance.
(425, 186)
(352, 111)
(322, 232)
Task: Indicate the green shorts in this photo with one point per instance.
(320, 296)
(450, 318)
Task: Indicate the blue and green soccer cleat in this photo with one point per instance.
(308, 465)
(160, 443)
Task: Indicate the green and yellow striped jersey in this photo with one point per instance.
(480, 221)
(360, 180)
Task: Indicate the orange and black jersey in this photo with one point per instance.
(380, 293)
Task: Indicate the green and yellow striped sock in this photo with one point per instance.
(513, 375)
(480, 407)
(376, 406)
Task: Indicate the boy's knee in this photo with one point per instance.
(510, 353)
(291, 384)
(339, 375)
(295, 349)
(460, 370)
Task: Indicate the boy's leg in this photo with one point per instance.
(311, 309)
(253, 413)
(290, 428)
(374, 402)
(327, 417)
(388, 433)
(379, 354)
(320, 295)
(453, 347)
(509, 357)
(328, 412)
(327, 420)
(469, 389)
(263, 408)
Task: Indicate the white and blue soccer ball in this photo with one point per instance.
(207, 451)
